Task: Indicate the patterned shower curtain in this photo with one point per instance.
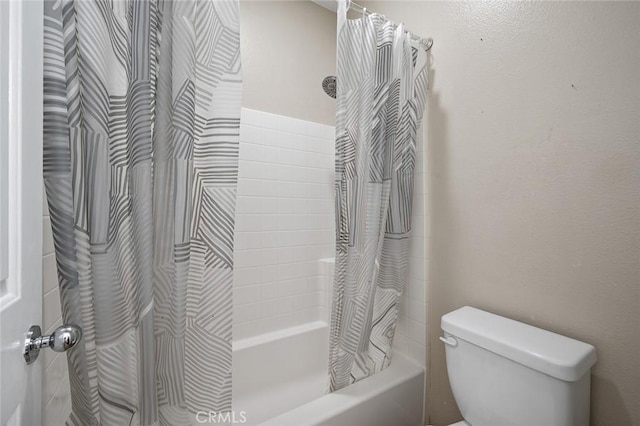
(141, 123)
(382, 89)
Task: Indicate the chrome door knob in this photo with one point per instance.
(63, 338)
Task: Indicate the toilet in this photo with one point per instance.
(504, 372)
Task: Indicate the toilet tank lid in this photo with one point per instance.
(553, 354)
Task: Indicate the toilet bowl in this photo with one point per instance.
(504, 372)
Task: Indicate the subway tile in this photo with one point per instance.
(247, 258)
(247, 294)
(270, 205)
(417, 270)
(301, 238)
(246, 276)
(270, 273)
(269, 222)
(270, 291)
(248, 205)
(45, 204)
(417, 289)
(247, 312)
(270, 154)
(285, 218)
(285, 222)
(417, 248)
(270, 137)
(284, 140)
(49, 273)
(301, 206)
(271, 239)
(318, 298)
(51, 308)
(248, 329)
(250, 169)
(417, 311)
(318, 283)
(417, 352)
(54, 376)
(402, 325)
(249, 135)
(270, 121)
(298, 127)
(250, 116)
(285, 239)
(300, 317)
(403, 306)
(328, 133)
(270, 171)
(47, 236)
(286, 205)
(269, 308)
(58, 408)
(286, 156)
(247, 240)
(417, 331)
(284, 305)
(401, 344)
(269, 188)
(319, 313)
(269, 256)
(301, 301)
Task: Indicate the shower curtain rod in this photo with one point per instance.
(426, 43)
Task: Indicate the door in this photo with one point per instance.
(20, 207)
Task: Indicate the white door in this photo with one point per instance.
(20, 207)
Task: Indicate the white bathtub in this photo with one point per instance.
(280, 379)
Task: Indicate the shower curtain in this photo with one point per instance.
(382, 88)
(141, 123)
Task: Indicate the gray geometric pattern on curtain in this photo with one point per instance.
(141, 124)
(382, 89)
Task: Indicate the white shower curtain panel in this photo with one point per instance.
(381, 94)
(141, 124)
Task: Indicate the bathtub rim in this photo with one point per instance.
(273, 336)
(401, 370)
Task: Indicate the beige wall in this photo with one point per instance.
(533, 140)
(288, 48)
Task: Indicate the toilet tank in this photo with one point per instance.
(504, 372)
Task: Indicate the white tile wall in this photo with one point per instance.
(325, 284)
(411, 332)
(284, 222)
(56, 397)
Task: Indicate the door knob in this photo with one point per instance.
(63, 338)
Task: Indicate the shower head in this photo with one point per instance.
(329, 86)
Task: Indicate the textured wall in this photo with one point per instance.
(288, 47)
(534, 164)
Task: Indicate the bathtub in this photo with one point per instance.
(280, 379)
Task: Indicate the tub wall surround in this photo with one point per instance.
(56, 396)
(411, 330)
(284, 222)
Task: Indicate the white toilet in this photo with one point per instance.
(504, 372)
